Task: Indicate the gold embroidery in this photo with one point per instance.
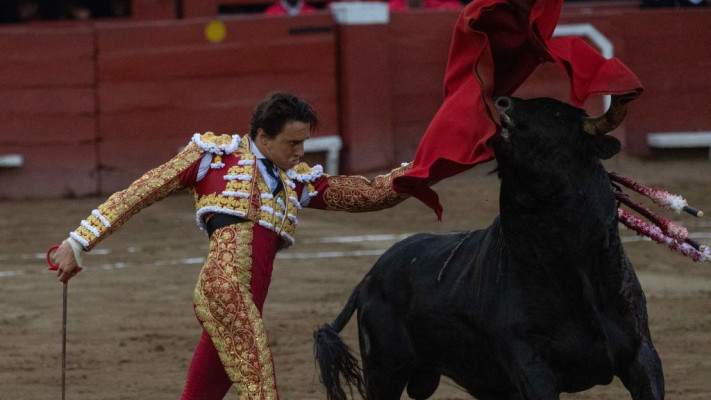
(154, 185)
(273, 210)
(259, 207)
(224, 305)
(358, 194)
(218, 200)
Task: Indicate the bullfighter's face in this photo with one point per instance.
(287, 148)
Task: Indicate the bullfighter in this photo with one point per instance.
(247, 193)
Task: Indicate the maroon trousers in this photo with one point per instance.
(239, 252)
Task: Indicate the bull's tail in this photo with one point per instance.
(336, 360)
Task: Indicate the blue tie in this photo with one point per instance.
(269, 166)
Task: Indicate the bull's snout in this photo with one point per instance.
(503, 104)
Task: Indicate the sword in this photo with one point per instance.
(54, 267)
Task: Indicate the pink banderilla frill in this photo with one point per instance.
(660, 230)
(644, 228)
(659, 197)
(668, 227)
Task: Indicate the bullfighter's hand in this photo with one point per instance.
(64, 258)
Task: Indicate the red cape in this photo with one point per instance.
(496, 46)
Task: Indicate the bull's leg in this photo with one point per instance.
(528, 372)
(644, 377)
(386, 353)
(423, 383)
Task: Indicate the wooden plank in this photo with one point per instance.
(50, 170)
(25, 129)
(169, 123)
(200, 8)
(407, 137)
(140, 125)
(365, 98)
(410, 110)
(46, 56)
(203, 61)
(205, 93)
(153, 9)
(246, 29)
(50, 40)
(54, 100)
(138, 155)
(419, 60)
(411, 24)
(121, 168)
(165, 87)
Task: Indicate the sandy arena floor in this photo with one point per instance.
(132, 330)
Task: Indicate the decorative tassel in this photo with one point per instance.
(217, 162)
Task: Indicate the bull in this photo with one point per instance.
(543, 301)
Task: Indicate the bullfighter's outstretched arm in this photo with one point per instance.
(354, 193)
(153, 186)
(156, 184)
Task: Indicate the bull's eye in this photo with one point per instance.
(557, 114)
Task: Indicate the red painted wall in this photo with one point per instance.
(161, 82)
(48, 110)
(419, 45)
(670, 51)
(93, 105)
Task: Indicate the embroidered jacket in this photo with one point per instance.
(234, 185)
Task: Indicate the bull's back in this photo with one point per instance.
(419, 258)
(428, 264)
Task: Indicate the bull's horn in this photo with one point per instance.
(610, 120)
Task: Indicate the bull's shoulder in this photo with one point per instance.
(432, 238)
(431, 246)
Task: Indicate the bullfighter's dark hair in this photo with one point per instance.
(278, 108)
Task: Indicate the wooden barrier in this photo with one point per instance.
(48, 110)
(419, 45)
(160, 83)
(668, 49)
(365, 87)
(89, 106)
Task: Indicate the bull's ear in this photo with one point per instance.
(605, 146)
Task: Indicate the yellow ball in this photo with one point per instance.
(215, 31)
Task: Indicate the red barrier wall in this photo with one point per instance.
(419, 45)
(160, 82)
(667, 48)
(670, 51)
(93, 105)
(47, 110)
(366, 92)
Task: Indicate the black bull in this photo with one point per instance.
(543, 301)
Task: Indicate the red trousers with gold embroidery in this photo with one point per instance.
(229, 296)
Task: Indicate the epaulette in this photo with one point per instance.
(302, 172)
(216, 144)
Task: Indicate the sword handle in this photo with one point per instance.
(53, 266)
